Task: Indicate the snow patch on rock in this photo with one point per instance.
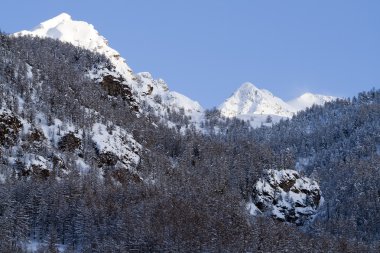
(55, 129)
(32, 160)
(116, 141)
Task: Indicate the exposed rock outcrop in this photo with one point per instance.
(10, 127)
(115, 145)
(36, 136)
(116, 86)
(69, 142)
(34, 165)
(286, 196)
(107, 159)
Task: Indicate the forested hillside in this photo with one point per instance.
(86, 168)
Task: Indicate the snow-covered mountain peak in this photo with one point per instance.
(79, 33)
(308, 99)
(250, 100)
(260, 106)
(247, 86)
(56, 20)
(307, 95)
(251, 90)
(155, 93)
(63, 28)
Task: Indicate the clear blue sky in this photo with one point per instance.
(205, 49)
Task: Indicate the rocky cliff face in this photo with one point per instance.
(286, 196)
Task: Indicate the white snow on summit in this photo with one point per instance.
(309, 99)
(248, 100)
(79, 33)
(256, 105)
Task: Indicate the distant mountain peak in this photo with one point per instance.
(309, 99)
(307, 94)
(250, 100)
(255, 105)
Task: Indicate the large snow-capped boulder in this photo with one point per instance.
(285, 196)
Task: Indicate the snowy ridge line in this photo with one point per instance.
(247, 103)
(155, 93)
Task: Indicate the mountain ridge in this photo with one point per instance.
(154, 93)
(247, 103)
